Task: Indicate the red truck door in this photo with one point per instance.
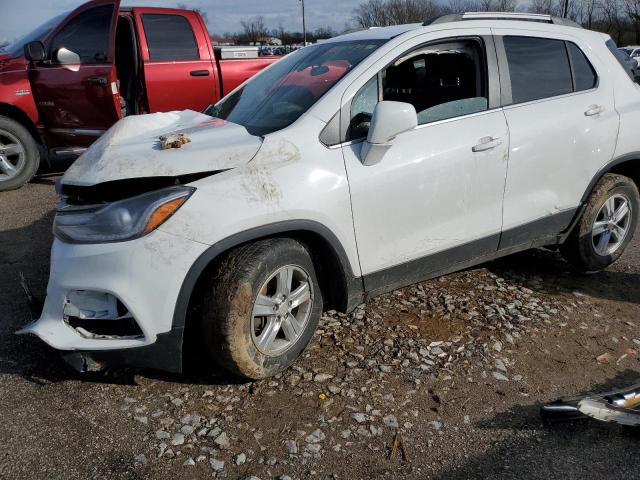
(177, 59)
(75, 88)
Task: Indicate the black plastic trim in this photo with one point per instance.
(428, 267)
(354, 284)
(551, 230)
(164, 354)
(529, 233)
(633, 156)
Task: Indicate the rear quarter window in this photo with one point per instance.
(584, 75)
(169, 37)
(620, 57)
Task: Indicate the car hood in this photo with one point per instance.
(131, 149)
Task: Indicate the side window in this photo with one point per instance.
(584, 75)
(169, 37)
(441, 81)
(87, 35)
(362, 107)
(620, 57)
(538, 67)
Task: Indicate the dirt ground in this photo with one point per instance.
(458, 365)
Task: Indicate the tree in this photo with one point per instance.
(324, 32)
(382, 13)
(254, 29)
(202, 13)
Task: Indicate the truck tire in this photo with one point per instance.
(606, 226)
(262, 307)
(19, 155)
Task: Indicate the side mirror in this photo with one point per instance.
(34, 52)
(389, 120)
(64, 56)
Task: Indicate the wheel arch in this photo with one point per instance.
(627, 165)
(14, 113)
(342, 289)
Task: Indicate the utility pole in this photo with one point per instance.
(304, 25)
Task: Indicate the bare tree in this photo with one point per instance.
(382, 13)
(202, 12)
(254, 29)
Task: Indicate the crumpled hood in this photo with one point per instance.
(131, 149)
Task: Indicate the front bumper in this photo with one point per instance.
(145, 275)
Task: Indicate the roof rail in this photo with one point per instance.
(527, 17)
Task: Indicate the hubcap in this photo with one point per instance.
(281, 310)
(612, 225)
(12, 155)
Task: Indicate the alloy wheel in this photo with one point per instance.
(612, 225)
(12, 155)
(281, 310)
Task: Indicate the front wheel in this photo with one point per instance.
(19, 155)
(606, 226)
(262, 308)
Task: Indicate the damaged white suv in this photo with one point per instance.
(347, 169)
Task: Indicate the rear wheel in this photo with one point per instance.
(262, 308)
(19, 155)
(606, 226)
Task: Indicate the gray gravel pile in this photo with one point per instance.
(363, 371)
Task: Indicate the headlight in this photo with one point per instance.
(122, 220)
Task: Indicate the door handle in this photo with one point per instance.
(594, 110)
(487, 143)
(199, 73)
(98, 80)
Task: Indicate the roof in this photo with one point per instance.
(480, 18)
(377, 33)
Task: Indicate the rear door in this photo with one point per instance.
(78, 101)
(563, 127)
(178, 69)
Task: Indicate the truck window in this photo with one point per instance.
(169, 37)
(87, 35)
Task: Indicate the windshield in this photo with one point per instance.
(16, 48)
(628, 51)
(277, 97)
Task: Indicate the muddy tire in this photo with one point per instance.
(19, 155)
(261, 308)
(606, 226)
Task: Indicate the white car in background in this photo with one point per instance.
(368, 162)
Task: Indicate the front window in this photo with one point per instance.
(16, 48)
(277, 97)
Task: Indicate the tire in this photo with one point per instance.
(589, 251)
(18, 168)
(237, 339)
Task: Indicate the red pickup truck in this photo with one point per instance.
(65, 83)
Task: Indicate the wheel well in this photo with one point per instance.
(333, 274)
(629, 168)
(19, 116)
(327, 263)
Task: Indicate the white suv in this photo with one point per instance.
(350, 168)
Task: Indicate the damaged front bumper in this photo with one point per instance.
(113, 304)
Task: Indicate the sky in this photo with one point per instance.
(18, 17)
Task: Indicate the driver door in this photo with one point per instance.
(434, 201)
(76, 92)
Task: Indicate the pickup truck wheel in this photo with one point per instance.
(606, 226)
(262, 308)
(19, 155)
